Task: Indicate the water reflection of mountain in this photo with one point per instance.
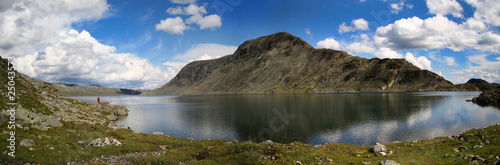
(298, 117)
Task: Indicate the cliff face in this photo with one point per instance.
(283, 63)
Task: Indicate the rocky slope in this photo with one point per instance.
(283, 63)
(41, 107)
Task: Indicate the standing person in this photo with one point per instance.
(98, 100)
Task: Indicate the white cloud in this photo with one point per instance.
(421, 62)
(450, 61)
(172, 25)
(396, 7)
(437, 32)
(482, 68)
(183, 1)
(486, 11)
(387, 53)
(177, 25)
(198, 52)
(357, 24)
(329, 43)
(80, 58)
(207, 22)
(40, 34)
(445, 7)
(308, 31)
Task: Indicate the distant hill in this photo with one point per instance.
(66, 89)
(283, 63)
(475, 84)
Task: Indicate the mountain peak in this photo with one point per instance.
(277, 41)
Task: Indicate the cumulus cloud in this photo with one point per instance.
(421, 62)
(482, 68)
(329, 43)
(487, 11)
(196, 14)
(437, 32)
(198, 52)
(80, 58)
(172, 25)
(357, 24)
(445, 7)
(49, 49)
(396, 7)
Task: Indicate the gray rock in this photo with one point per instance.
(298, 162)
(82, 143)
(158, 133)
(379, 148)
(53, 122)
(477, 146)
(105, 142)
(267, 142)
(112, 117)
(388, 162)
(27, 143)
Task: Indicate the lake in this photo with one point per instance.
(358, 118)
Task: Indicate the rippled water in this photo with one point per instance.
(360, 119)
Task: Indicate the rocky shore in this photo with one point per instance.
(491, 97)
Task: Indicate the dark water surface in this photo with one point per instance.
(360, 119)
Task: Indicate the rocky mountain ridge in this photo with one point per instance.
(67, 89)
(283, 63)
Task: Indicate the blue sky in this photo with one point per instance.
(143, 44)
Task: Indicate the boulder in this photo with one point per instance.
(158, 133)
(112, 117)
(379, 148)
(105, 142)
(388, 162)
(27, 143)
(267, 142)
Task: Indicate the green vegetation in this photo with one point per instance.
(60, 146)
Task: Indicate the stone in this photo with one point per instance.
(82, 143)
(388, 162)
(53, 122)
(267, 142)
(487, 142)
(390, 153)
(379, 148)
(477, 146)
(460, 149)
(106, 141)
(445, 156)
(164, 147)
(27, 143)
(383, 154)
(298, 162)
(365, 163)
(476, 157)
(158, 133)
(112, 117)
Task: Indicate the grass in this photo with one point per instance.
(60, 146)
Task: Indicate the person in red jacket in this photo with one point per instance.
(98, 100)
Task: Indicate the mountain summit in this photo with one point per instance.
(284, 63)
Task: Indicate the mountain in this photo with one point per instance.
(478, 85)
(66, 89)
(283, 63)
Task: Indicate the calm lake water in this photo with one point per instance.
(360, 119)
